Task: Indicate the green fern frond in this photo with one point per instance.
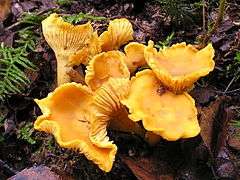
(27, 39)
(32, 18)
(64, 2)
(12, 78)
(76, 18)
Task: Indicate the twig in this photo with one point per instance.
(227, 92)
(230, 83)
(204, 16)
(216, 24)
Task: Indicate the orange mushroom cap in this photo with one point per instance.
(180, 65)
(106, 65)
(86, 53)
(65, 39)
(163, 112)
(110, 112)
(135, 55)
(119, 32)
(67, 115)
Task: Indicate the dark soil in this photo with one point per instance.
(214, 154)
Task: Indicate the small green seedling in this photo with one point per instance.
(165, 43)
(26, 132)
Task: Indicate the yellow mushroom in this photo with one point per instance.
(180, 66)
(166, 114)
(84, 55)
(119, 32)
(66, 39)
(110, 112)
(67, 114)
(135, 56)
(106, 65)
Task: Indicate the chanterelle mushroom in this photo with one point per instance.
(180, 65)
(161, 111)
(135, 56)
(67, 114)
(106, 65)
(119, 32)
(66, 40)
(110, 112)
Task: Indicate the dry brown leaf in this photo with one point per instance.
(145, 168)
(207, 117)
(40, 172)
(76, 75)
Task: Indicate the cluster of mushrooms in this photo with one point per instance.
(114, 95)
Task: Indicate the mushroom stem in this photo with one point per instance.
(151, 138)
(121, 122)
(62, 69)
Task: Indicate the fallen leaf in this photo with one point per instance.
(7, 38)
(207, 117)
(203, 95)
(149, 167)
(76, 75)
(224, 117)
(9, 125)
(40, 172)
(234, 140)
(226, 170)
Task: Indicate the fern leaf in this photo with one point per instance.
(12, 78)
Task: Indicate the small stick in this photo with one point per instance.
(204, 16)
(230, 83)
(216, 24)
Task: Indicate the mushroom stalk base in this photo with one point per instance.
(62, 70)
(121, 122)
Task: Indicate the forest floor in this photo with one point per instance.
(214, 154)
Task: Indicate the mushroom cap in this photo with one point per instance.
(119, 32)
(65, 38)
(85, 54)
(180, 65)
(135, 55)
(106, 65)
(110, 112)
(161, 111)
(67, 115)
